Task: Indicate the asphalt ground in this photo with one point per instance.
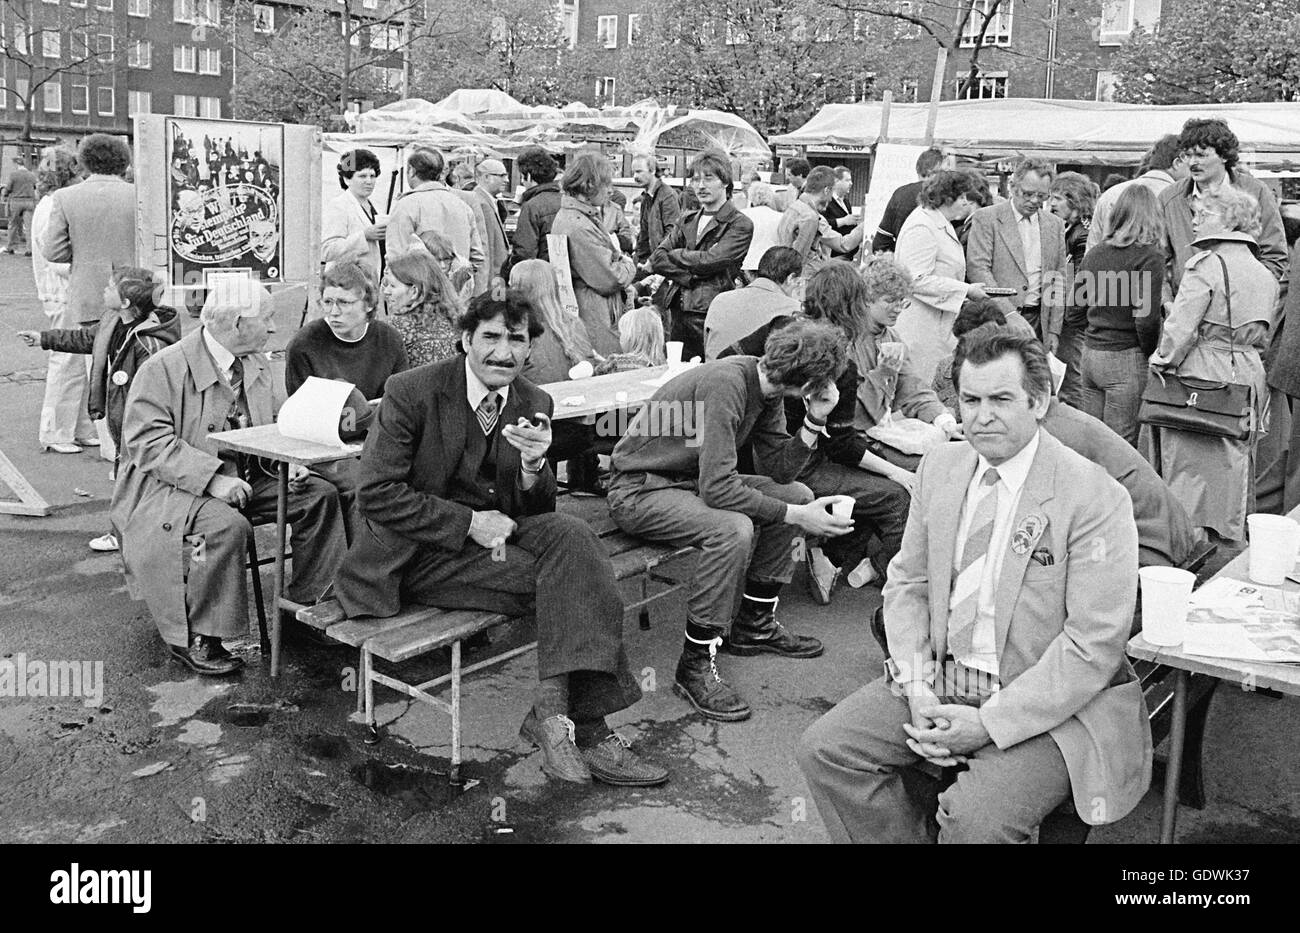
(165, 756)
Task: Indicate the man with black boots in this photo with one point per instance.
(675, 480)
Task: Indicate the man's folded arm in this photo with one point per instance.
(907, 593)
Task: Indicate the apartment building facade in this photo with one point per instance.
(1030, 48)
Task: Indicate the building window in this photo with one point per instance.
(908, 89)
(908, 30)
(138, 8)
(4, 93)
(390, 36)
(24, 88)
(139, 54)
(605, 92)
(51, 46)
(184, 58)
(988, 85)
(799, 32)
(104, 44)
(1120, 17)
(863, 88)
(103, 4)
(607, 31)
(186, 105)
(210, 107)
(734, 34)
(105, 104)
(138, 102)
(209, 61)
(53, 96)
(263, 18)
(1106, 81)
(633, 27)
(183, 11)
(80, 102)
(861, 26)
(569, 21)
(999, 23)
(77, 3)
(370, 4)
(209, 12)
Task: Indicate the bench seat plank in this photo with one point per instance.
(430, 633)
(633, 562)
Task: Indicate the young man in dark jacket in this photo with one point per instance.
(538, 206)
(701, 258)
(676, 481)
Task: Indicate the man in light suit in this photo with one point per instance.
(491, 179)
(1017, 244)
(1006, 611)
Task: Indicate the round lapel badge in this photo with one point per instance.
(120, 378)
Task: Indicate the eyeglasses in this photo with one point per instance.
(339, 302)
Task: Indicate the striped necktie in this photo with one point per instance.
(487, 412)
(966, 586)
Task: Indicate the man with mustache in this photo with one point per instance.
(457, 503)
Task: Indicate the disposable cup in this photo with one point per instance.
(1165, 592)
(674, 350)
(842, 506)
(581, 370)
(1273, 543)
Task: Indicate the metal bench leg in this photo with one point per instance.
(363, 674)
(643, 617)
(257, 593)
(1177, 732)
(1191, 788)
(453, 776)
(372, 732)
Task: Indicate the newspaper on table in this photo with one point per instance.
(313, 412)
(1243, 621)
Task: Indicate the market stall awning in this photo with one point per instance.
(1083, 131)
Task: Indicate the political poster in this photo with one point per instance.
(224, 201)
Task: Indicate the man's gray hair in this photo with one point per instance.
(760, 193)
(1028, 164)
(234, 302)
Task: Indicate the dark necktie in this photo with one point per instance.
(487, 412)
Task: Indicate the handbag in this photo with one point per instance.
(1201, 406)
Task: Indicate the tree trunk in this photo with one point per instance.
(347, 57)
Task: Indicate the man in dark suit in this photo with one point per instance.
(838, 213)
(458, 505)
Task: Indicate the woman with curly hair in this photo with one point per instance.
(422, 307)
(929, 250)
(1073, 198)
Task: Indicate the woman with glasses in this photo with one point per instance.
(1218, 328)
(350, 226)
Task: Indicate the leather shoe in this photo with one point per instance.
(206, 655)
(560, 757)
(822, 575)
(756, 630)
(614, 762)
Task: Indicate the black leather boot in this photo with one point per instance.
(756, 630)
(699, 684)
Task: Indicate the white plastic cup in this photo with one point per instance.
(842, 506)
(1274, 540)
(674, 349)
(1165, 593)
(581, 370)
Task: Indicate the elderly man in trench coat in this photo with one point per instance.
(182, 511)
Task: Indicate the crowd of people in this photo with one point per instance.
(955, 412)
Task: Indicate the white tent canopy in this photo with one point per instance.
(1068, 130)
(480, 100)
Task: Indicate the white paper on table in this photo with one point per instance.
(672, 373)
(1224, 594)
(312, 413)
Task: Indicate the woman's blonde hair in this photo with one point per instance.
(1135, 218)
(533, 281)
(641, 330)
(436, 296)
(1237, 210)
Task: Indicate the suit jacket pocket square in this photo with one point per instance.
(1043, 556)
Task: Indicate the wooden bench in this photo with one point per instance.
(418, 630)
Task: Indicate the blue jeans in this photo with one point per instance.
(1113, 381)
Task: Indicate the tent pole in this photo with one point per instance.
(886, 101)
(936, 94)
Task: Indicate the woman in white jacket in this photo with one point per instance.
(350, 227)
(64, 418)
(928, 248)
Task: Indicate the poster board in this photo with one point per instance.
(895, 166)
(228, 196)
(557, 247)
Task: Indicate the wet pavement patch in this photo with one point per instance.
(413, 788)
(324, 746)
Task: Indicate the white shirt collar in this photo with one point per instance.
(476, 391)
(220, 355)
(1014, 471)
(1026, 218)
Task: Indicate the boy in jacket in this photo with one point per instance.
(133, 329)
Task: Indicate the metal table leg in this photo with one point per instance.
(277, 590)
(1174, 767)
